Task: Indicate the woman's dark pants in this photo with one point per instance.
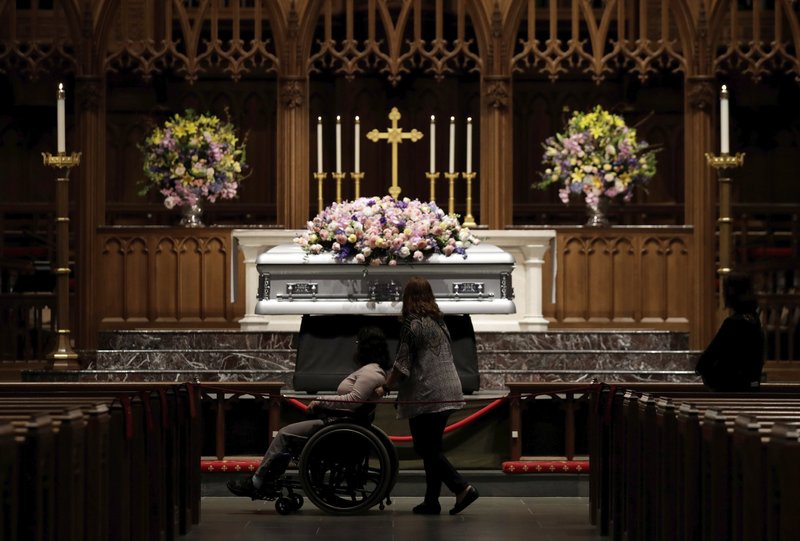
(427, 430)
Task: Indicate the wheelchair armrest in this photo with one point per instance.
(364, 414)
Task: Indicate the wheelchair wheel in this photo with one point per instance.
(345, 469)
(394, 460)
(284, 506)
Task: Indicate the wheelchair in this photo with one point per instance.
(346, 467)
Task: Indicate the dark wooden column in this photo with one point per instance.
(294, 175)
(496, 184)
(90, 96)
(700, 209)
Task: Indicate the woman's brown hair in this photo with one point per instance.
(418, 299)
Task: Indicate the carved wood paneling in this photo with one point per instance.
(620, 278)
(167, 278)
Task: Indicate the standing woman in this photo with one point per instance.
(429, 390)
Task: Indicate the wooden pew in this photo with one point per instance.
(612, 451)
(156, 426)
(699, 450)
(9, 474)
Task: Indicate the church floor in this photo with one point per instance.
(488, 519)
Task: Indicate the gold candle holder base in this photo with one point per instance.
(725, 221)
(451, 202)
(62, 356)
(357, 176)
(469, 220)
(432, 176)
(320, 176)
(338, 177)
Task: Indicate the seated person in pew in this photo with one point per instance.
(735, 357)
(372, 356)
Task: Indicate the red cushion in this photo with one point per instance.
(546, 466)
(213, 466)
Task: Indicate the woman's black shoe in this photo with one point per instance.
(427, 509)
(469, 497)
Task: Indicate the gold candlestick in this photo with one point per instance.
(63, 356)
(432, 176)
(357, 182)
(451, 202)
(469, 220)
(725, 221)
(320, 176)
(338, 177)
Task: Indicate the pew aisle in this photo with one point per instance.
(99, 461)
(676, 462)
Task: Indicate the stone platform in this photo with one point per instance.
(231, 355)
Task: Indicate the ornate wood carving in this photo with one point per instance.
(552, 38)
(395, 43)
(701, 93)
(496, 90)
(292, 92)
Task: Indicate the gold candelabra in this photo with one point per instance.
(432, 176)
(320, 176)
(451, 202)
(63, 356)
(469, 220)
(338, 177)
(724, 222)
(357, 176)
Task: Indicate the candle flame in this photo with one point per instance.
(469, 119)
(433, 118)
(357, 120)
(60, 93)
(338, 118)
(452, 119)
(319, 119)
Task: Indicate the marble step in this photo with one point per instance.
(230, 355)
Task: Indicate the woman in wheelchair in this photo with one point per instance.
(328, 471)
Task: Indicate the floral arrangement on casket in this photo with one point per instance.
(193, 157)
(385, 231)
(597, 155)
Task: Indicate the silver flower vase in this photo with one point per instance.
(597, 213)
(192, 215)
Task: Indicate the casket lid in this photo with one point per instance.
(292, 254)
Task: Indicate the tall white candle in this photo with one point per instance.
(319, 144)
(338, 144)
(60, 120)
(452, 144)
(724, 125)
(433, 144)
(357, 167)
(469, 144)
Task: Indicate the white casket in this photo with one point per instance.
(294, 282)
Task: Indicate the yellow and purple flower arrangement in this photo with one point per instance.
(193, 157)
(385, 231)
(598, 156)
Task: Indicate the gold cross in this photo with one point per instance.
(394, 136)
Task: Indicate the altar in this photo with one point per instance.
(527, 248)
